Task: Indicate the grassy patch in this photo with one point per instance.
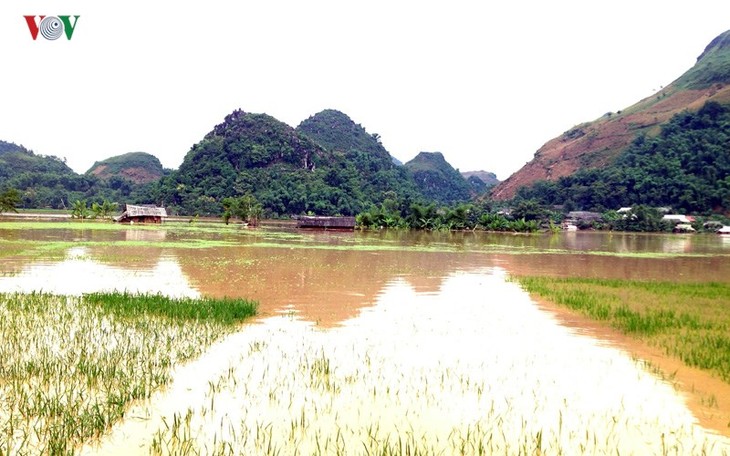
(226, 311)
(687, 320)
(70, 366)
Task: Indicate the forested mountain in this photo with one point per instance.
(287, 171)
(42, 181)
(249, 154)
(686, 167)
(138, 167)
(437, 180)
(379, 175)
(17, 160)
(328, 165)
(335, 131)
(597, 144)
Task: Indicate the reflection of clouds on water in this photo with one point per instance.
(78, 274)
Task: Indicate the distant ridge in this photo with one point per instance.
(489, 179)
(138, 167)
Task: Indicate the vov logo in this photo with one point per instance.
(51, 27)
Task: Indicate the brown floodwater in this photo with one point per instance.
(328, 277)
(336, 281)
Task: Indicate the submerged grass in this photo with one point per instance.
(69, 366)
(300, 390)
(686, 320)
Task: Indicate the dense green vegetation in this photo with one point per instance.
(9, 200)
(363, 157)
(139, 167)
(256, 154)
(327, 166)
(686, 320)
(437, 180)
(464, 216)
(686, 167)
(47, 182)
(245, 208)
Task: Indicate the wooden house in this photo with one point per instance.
(141, 214)
(326, 223)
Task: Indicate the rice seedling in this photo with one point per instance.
(490, 376)
(687, 320)
(70, 366)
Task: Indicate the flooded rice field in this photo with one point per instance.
(387, 343)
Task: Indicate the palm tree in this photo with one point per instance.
(79, 210)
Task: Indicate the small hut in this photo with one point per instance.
(326, 223)
(141, 214)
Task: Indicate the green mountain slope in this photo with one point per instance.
(335, 131)
(363, 152)
(437, 180)
(15, 160)
(712, 67)
(598, 143)
(47, 182)
(246, 153)
(43, 181)
(686, 167)
(256, 154)
(138, 167)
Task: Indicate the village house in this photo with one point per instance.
(678, 218)
(575, 220)
(141, 214)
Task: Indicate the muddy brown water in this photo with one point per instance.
(331, 278)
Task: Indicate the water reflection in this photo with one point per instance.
(79, 273)
(324, 286)
(328, 286)
(472, 363)
(145, 235)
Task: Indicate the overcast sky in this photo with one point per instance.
(485, 83)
